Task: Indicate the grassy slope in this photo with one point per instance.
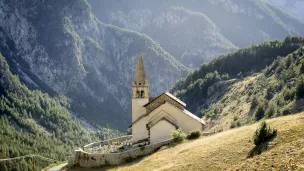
(236, 104)
(193, 89)
(229, 150)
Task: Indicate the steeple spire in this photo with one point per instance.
(140, 75)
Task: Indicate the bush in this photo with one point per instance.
(264, 134)
(271, 110)
(286, 111)
(270, 91)
(235, 124)
(259, 113)
(289, 94)
(178, 135)
(300, 89)
(254, 102)
(194, 134)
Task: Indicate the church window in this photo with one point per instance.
(139, 83)
(137, 94)
(142, 94)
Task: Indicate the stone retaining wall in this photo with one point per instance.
(88, 160)
(106, 142)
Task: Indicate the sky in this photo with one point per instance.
(293, 7)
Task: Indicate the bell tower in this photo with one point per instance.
(140, 90)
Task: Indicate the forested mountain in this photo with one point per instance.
(31, 122)
(196, 31)
(60, 47)
(260, 81)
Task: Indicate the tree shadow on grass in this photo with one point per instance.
(259, 149)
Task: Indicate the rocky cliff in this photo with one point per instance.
(60, 47)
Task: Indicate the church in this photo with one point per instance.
(153, 119)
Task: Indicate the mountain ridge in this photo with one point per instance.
(232, 24)
(62, 48)
(73, 54)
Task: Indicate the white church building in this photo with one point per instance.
(153, 119)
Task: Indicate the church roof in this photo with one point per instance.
(194, 116)
(163, 119)
(151, 98)
(140, 75)
(171, 96)
(188, 113)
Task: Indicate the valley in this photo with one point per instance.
(66, 71)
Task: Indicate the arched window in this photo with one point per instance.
(142, 94)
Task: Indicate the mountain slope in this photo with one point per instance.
(294, 7)
(229, 150)
(197, 31)
(207, 82)
(277, 91)
(61, 48)
(31, 122)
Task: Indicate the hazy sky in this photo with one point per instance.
(294, 7)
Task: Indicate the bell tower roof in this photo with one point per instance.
(140, 75)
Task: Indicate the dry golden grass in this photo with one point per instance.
(228, 151)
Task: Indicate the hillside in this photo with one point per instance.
(32, 122)
(229, 150)
(61, 48)
(86, 51)
(210, 82)
(197, 31)
(276, 91)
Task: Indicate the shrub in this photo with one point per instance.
(178, 135)
(302, 68)
(289, 94)
(254, 102)
(286, 111)
(300, 89)
(235, 124)
(271, 110)
(259, 113)
(194, 134)
(235, 117)
(264, 134)
(270, 91)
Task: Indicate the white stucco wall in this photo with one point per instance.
(185, 122)
(139, 130)
(161, 131)
(138, 108)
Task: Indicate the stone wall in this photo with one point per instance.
(106, 142)
(88, 160)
